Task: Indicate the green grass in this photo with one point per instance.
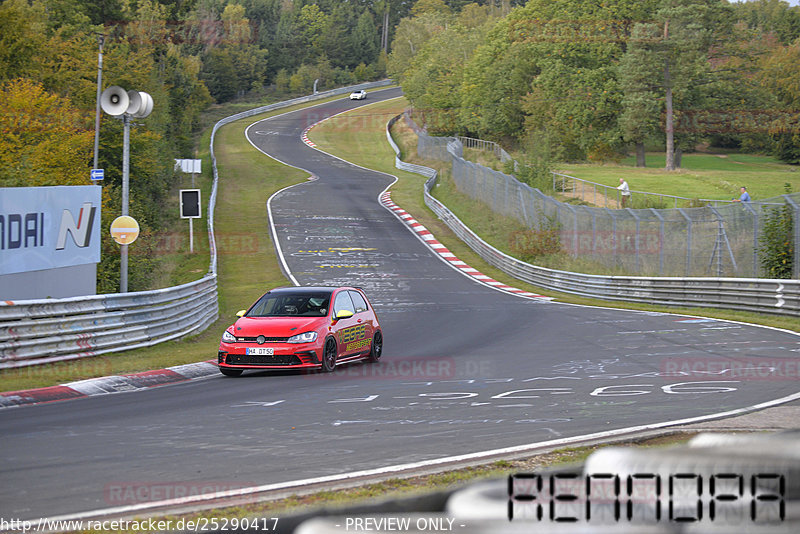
(712, 176)
(175, 265)
(364, 143)
(247, 179)
(498, 229)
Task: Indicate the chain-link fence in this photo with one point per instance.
(706, 241)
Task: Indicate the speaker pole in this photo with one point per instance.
(116, 101)
(123, 260)
(100, 41)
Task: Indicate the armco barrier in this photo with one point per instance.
(49, 330)
(40, 331)
(780, 297)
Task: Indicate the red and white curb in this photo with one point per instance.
(438, 248)
(306, 140)
(304, 135)
(109, 384)
(444, 253)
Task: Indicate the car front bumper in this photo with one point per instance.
(286, 356)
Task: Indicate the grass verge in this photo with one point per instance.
(363, 142)
(713, 176)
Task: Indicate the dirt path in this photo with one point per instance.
(595, 197)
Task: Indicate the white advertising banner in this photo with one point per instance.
(49, 227)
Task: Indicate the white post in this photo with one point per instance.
(100, 41)
(123, 261)
(191, 238)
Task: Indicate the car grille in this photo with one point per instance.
(266, 339)
(280, 359)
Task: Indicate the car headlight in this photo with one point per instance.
(306, 337)
(227, 337)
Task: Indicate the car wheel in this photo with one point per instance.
(329, 356)
(377, 347)
(230, 372)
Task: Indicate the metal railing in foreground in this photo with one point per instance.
(44, 331)
(51, 330)
(781, 297)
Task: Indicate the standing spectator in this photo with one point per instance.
(745, 197)
(626, 192)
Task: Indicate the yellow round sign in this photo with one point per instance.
(124, 230)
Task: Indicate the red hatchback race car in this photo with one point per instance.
(302, 328)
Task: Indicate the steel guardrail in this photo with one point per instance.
(41, 331)
(763, 295)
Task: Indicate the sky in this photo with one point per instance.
(791, 2)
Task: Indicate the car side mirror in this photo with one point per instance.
(343, 314)
(241, 313)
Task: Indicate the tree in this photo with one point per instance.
(44, 138)
(780, 76)
(311, 22)
(287, 51)
(219, 74)
(410, 36)
(429, 7)
(337, 37)
(364, 38)
(187, 97)
(770, 17)
(550, 65)
(22, 39)
(672, 56)
(435, 78)
(639, 118)
(776, 251)
(390, 12)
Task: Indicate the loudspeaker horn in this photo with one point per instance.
(134, 103)
(114, 100)
(145, 106)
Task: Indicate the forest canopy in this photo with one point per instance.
(596, 79)
(187, 55)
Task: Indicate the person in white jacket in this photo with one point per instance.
(625, 192)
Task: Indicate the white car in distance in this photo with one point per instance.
(358, 95)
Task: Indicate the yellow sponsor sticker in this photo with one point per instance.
(364, 343)
(353, 333)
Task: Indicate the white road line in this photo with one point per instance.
(413, 466)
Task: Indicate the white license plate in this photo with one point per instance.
(260, 351)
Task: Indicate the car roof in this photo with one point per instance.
(308, 289)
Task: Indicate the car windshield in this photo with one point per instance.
(291, 304)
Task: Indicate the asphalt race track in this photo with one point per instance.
(465, 369)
